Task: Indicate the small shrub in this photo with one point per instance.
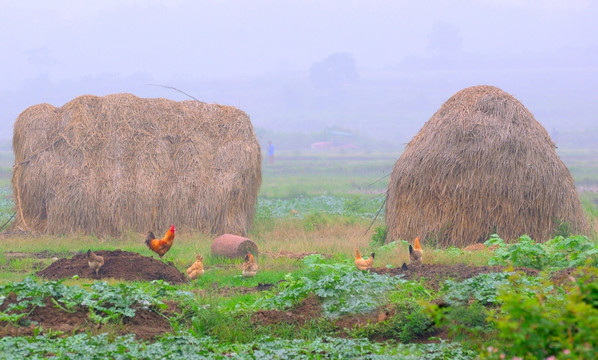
(408, 323)
(354, 205)
(465, 321)
(542, 323)
(562, 229)
(378, 237)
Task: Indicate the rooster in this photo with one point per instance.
(196, 269)
(94, 261)
(416, 253)
(249, 266)
(363, 264)
(160, 246)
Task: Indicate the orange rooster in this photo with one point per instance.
(416, 253)
(196, 269)
(361, 263)
(249, 266)
(160, 246)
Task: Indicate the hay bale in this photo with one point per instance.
(103, 165)
(233, 246)
(481, 165)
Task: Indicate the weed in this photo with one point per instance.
(378, 237)
(409, 322)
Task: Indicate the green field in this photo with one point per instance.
(319, 306)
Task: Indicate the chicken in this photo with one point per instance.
(416, 253)
(94, 261)
(160, 246)
(249, 266)
(363, 264)
(196, 269)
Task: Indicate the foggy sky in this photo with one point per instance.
(166, 41)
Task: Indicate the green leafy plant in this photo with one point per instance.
(186, 346)
(556, 253)
(105, 302)
(342, 288)
(544, 323)
(378, 237)
(467, 321)
(482, 288)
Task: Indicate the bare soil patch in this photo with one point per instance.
(310, 308)
(435, 274)
(49, 317)
(118, 264)
(146, 324)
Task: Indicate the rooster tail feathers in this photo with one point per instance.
(373, 255)
(150, 236)
(404, 267)
(416, 244)
(410, 249)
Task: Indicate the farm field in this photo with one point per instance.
(307, 299)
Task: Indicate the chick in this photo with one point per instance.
(364, 264)
(416, 253)
(249, 266)
(94, 261)
(196, 269)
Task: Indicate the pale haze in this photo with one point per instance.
(376, 68)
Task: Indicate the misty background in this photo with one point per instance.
(305, 70)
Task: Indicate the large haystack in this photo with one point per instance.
(102, 165)
(481, 165)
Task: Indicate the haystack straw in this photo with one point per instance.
(481, 165)
(103, 165)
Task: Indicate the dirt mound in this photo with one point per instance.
(146, 324)
(118, 264)
(310, 308)
(436, 274)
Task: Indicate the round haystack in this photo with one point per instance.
(481, 165)
(233, 246)
(103, 165)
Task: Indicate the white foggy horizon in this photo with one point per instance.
(399, 60)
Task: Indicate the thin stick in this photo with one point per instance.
(6, 223)
(378, 213)
(387, 175)
(173, 88)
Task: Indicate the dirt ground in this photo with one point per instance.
(436, 274)
(148, 324)
(117, 264)
(433, 274)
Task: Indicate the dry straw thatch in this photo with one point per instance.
(482, 164)
(102, 165)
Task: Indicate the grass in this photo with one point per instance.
(308, 203)
(296, 174)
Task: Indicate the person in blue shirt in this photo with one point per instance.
(270, 152)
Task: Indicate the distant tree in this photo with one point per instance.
(337, 69)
